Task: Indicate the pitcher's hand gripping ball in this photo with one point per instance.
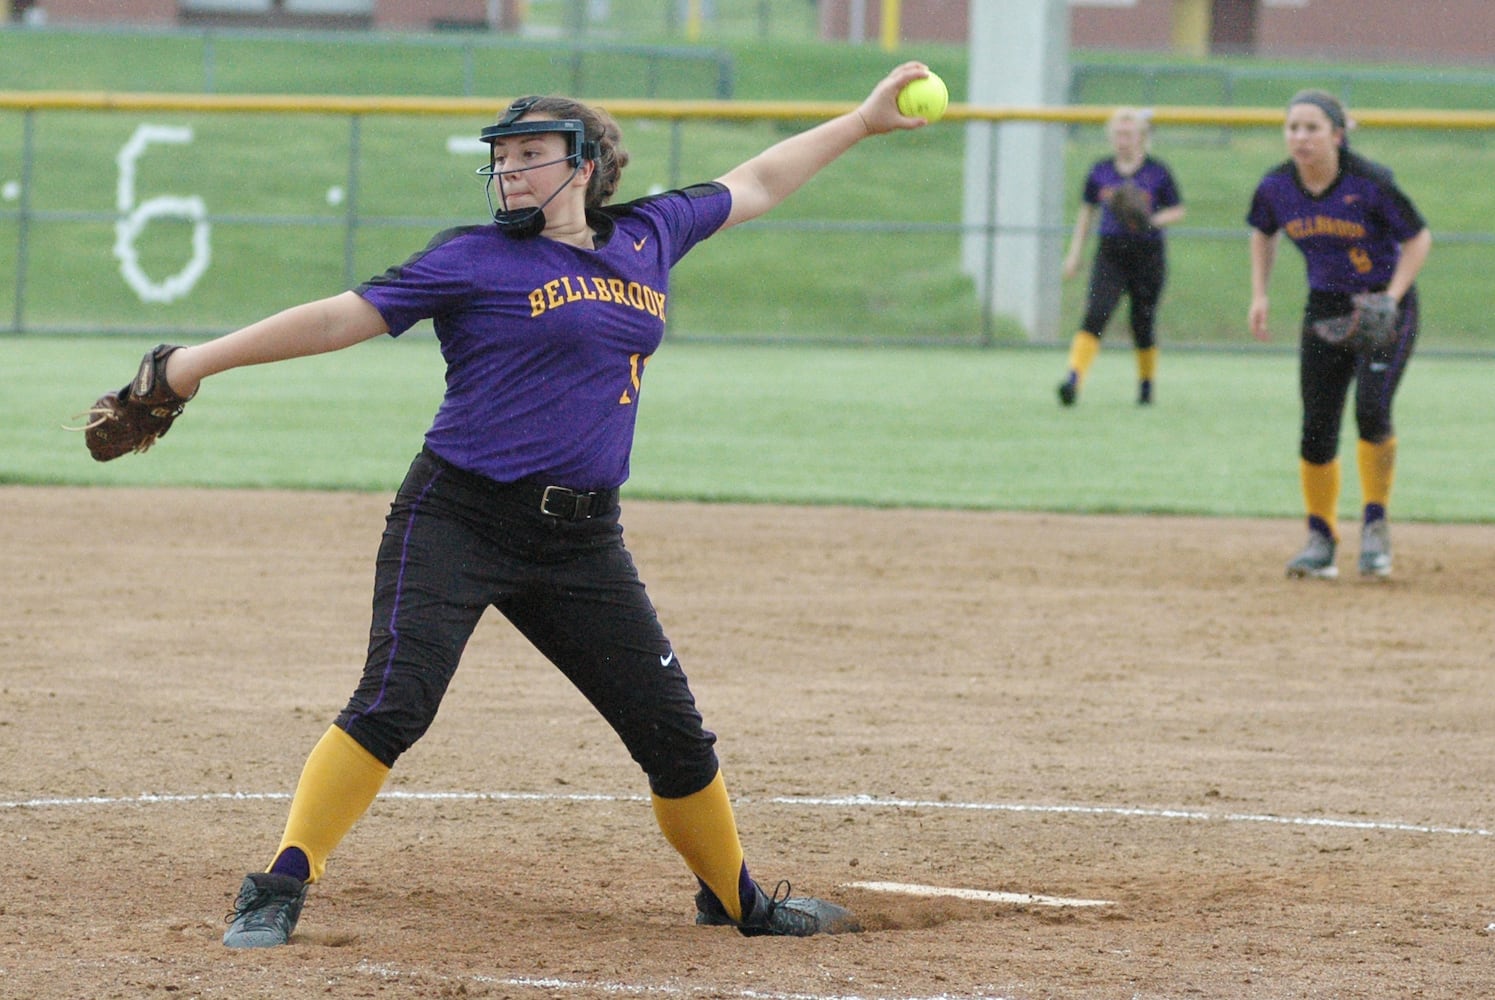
(924, 98)
(135, 416)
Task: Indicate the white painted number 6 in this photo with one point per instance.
(134, 218)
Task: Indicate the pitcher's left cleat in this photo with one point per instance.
(779, 915)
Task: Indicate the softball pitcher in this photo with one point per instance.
(547, 317)
(1135, 196)
(1364, 244)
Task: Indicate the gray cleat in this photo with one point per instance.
(1375, 549)
(780, 916)
(266, 911)
(1316, 560)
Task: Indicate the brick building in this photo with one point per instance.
(1445, 31)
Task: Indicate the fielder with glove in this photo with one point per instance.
(1364, 244)
(1135, 196)
(548, 313)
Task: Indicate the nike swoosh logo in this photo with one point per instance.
(639, 244)
(664, 660)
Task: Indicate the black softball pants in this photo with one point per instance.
(455, 544)
(1326, 370)
(1136, 268)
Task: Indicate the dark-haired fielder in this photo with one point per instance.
(1359, 233)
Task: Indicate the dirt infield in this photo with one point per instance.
(1277, 789)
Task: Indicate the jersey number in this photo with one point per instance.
(636, 363)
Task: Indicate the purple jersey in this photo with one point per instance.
(1152, 176)
(545, 343)
(1350, 235)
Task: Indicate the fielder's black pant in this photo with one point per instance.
(456, 543)
(1326, 370)
(1130, 266)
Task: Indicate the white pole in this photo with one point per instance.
(1019, 56)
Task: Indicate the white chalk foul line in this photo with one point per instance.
(855, 801)
(551, 985)
(838, 802)
(981, 895)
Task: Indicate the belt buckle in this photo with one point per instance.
(559, 492)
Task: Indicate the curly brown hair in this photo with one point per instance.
(601, 129)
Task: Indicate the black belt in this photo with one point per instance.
(558, 502)
(572, 505)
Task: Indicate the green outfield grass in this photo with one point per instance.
(899, 425)
(928, 427)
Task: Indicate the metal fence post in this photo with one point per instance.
(677, 141)
(23, 224)
(989, 263)
(350, 231)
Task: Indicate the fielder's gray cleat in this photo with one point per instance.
(1316, 560)
(780, 916)
(266, 911)
(1375, 549)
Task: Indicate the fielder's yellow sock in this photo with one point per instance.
(1083, 348)
(1377, 470)
(337, 786)
(702, 828)
(1147, 364)
(1321, 493)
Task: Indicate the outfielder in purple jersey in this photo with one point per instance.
(1358, 233)
(547, 318)
(1130, 258)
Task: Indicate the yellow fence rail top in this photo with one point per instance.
(692, 110)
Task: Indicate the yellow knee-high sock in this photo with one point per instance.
(702, 828)
(1083, 348)
(1321, 493)
(338, 784)
(1377, 470)
(1147, 364)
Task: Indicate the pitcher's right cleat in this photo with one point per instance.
(780, 916)
(1375, 549)
(266, 911)
(1316, 560)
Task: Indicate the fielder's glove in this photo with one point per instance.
(135, 416)
(1369, 325)
(1132, 207)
